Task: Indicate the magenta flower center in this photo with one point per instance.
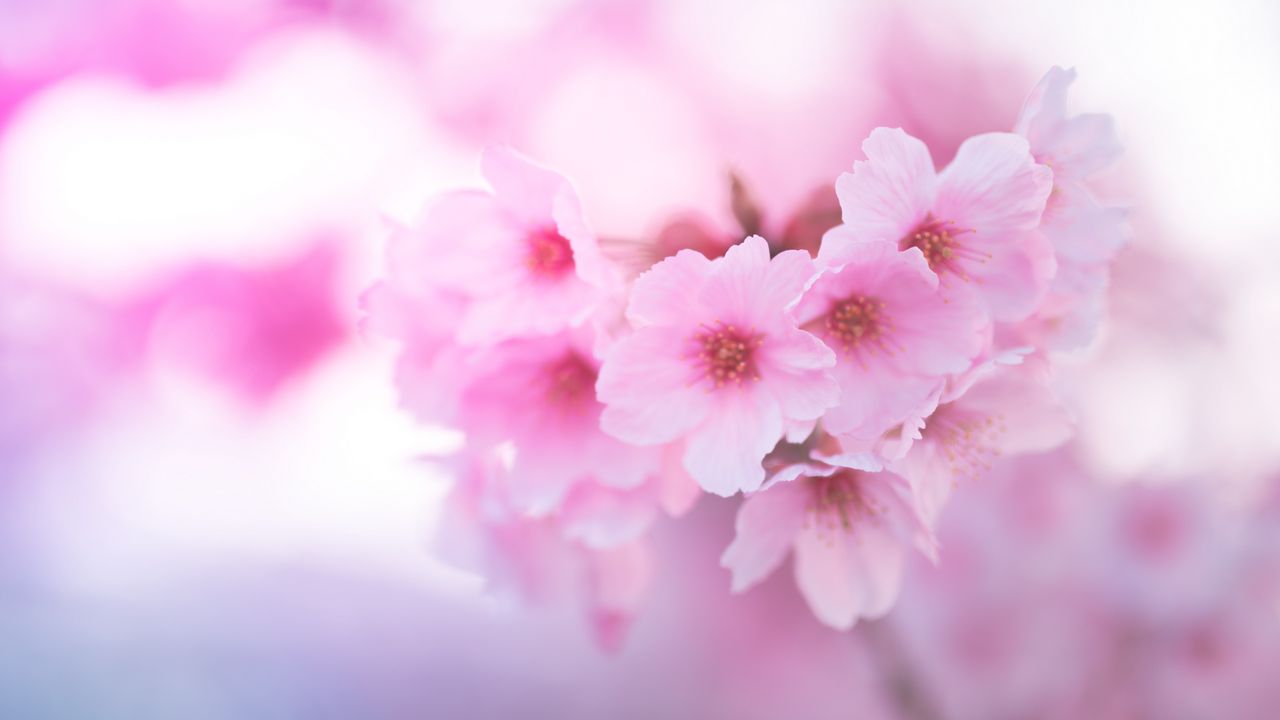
(940, 242)
(571, 381)
(838, 501)
(549, 254)
(726, 355)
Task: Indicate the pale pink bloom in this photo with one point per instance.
(618, 580)
(997, 410)
(1085, 234)
(539, 395)
(538, 559)
(894, 333)
(601, 516)
(974, 222)
(1076, 146)
(849, 530)
(1166, 551)
(717, 359)
(522, 255)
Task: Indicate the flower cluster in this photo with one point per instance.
(845, 394)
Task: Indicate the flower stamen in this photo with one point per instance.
(726, 355)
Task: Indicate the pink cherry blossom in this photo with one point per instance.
(522, 256)
(895, 335)
(998, 409)
(849, 530)
(539, 394)
(539, 559)
(251, 329)
(1076, 146)
(1084, 233)
(717, 359)
(974, 222)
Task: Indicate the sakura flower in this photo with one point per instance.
(1076, 146)
(895, 335)
(1085, 234)
(717, 359)
(849, 530)
(996, 410)
(974, 222)
(535, 558)
(522, 256)
(538, 394)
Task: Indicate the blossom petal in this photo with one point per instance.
(649, 391)
(850, 575)
(524, 188)
(724, 454)
(993, 187)
(1075, 147)
(764, 531)
(667, 293)
(1014, 280)
(890, 191)
(748, 288)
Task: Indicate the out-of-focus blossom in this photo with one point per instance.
(250, 329)
(539, 394)
(1043, 568)
(849, 529)
(483, 531)
(1084, 233)
(995, 411)
(717, 358)
(521, 257)
(974, 222)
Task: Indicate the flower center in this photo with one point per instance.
(726, 355)
(969, 441)
(838, 501)
(939, 240)
(549, 254)
(859, 323)
(571, 380)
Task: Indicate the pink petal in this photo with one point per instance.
(537, 198)
(874, 398)
(890, 191)
(525, 189)
(677, 490)
(1080, 228)
(602, 517)
(667, 293)
(650, 393)
(527, 308)
(845, 576)
(1014, 280)
(993, 187)
(463, 241)
(1021, 396)
(1075, 147)
(1046, 104)
(619, 579)
(748, 288)
(725, 452)
(766, 527)
(791, 366)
